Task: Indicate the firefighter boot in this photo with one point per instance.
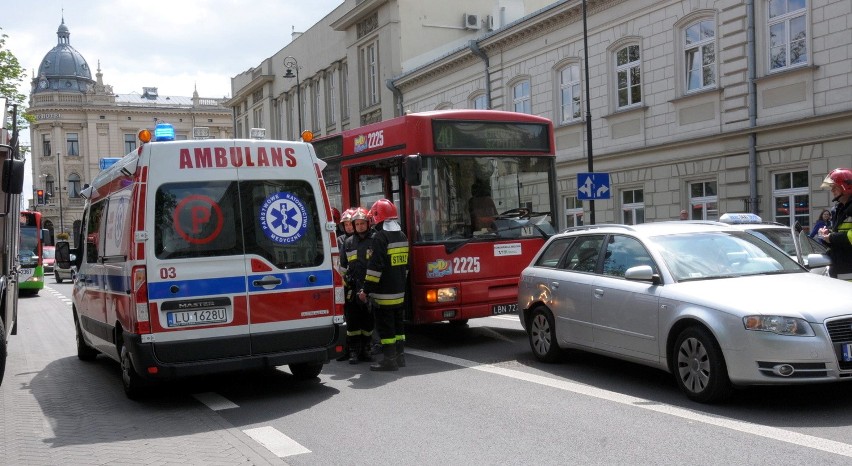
(400, 356)
(364, 351)
(389, 361)
(345, 354)
(354, 349)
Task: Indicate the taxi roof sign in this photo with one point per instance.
(735, 219)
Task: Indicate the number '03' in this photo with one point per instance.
(168, 272)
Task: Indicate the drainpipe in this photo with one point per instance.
(752, 107)
(474, 48)
(397, 93)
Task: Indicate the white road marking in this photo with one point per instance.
(774, 433)
(215, 401)
(513, 318)
(279, 444)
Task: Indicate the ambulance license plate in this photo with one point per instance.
(504, 308)
(196, 317)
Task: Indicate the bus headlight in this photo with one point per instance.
(441, 295)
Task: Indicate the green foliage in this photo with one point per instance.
(12, 78)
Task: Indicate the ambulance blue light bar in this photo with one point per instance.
(164, 132)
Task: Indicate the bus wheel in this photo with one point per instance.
(84, 351)
(306, 370)
(132, 381)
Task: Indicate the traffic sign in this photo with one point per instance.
(592, 186)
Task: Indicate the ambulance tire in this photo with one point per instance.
(306, 370)
(134, 384)
(84, 351)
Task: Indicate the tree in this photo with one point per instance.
(12, 77)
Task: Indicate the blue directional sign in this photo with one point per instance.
(592, 186)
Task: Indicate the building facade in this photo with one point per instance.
(709, 106)
(80, 122)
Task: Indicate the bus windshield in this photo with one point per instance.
(466, 197)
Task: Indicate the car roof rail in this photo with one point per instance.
(595, 227)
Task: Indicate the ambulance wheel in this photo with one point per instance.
(132, 381)
(306, 370)
(84, 351)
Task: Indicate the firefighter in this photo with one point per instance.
(359, 319)
(839, 181)
(345, 229)
(384, 285)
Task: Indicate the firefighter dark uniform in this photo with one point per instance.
(344, 230)
(385, 284)
(839, 237)
(359, 319)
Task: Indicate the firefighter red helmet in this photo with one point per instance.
(360, 214)
(840, 177)
(335, 215)
(347, 215)
(382, 210)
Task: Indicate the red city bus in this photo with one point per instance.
(476, 193)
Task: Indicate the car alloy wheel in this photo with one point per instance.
(542, 335)
(700, 366)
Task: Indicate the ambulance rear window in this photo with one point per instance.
(274, 219)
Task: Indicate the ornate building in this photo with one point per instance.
(81, 124)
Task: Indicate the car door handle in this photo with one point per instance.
(598, 293)
(268, 281)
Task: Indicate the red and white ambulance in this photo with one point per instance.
(203, 256)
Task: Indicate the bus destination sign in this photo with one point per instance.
(490, 135)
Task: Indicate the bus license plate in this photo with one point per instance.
(196, 317)
(846, 349)
(504, 308)
(25, 271)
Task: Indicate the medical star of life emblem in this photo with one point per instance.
(283, 218)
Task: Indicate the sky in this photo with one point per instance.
(176, 46)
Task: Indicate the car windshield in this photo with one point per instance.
(718, 254)
(49, 252)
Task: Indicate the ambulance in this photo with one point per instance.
(207, 255)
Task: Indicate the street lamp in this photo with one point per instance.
(58, 187)
(588, 110)
(291, 64)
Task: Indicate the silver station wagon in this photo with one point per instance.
(712, 304)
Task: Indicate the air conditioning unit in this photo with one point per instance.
(471, 22)
(489, 22)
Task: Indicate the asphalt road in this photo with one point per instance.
(472, 395)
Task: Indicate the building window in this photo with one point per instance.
(703, 201)
(633, 206)
(73, 185)
(370, 74)
(344, 92)
(628, 71)
(129, 143)
(331, 97)
(521, 101)
(49, 186)
(73, 144)
(257, 96)
(788, 33)
(790, 193)
(257, 114)
(479, 101)
(700, 49)
(315, 106)
(573, 212)
(45, 145)
(569, 94)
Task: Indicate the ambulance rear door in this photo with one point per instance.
(194, 252)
